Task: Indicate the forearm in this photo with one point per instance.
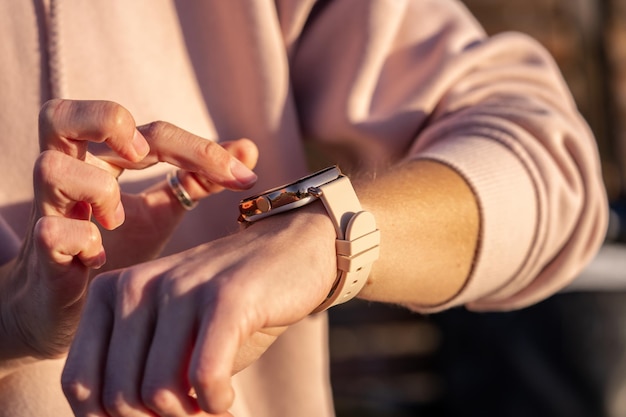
(429, 223)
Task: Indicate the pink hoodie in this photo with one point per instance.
(381, 80)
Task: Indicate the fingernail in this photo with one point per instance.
(100, 260)
(140, 144)
(244, 176)
(119, 215)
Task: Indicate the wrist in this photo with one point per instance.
(310, 230)
(357, 237)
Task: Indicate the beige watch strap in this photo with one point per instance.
(357, 242)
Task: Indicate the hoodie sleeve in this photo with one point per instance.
(392, 81)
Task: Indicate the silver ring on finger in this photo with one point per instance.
(179, 191)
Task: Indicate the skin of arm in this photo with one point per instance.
(429, 222)
(245, 289)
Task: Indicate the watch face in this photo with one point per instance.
(286, 197)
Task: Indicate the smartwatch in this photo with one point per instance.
(358, 238)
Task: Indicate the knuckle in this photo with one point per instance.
(207, 150)
(130, 290)
(173, 287)
(156, 129)
(45, 232)
(51, 109)
(94, 238)
(73, 389)
(117, 117)
(157, 398)
(53, 243)
(115, 401)
(102, 288)
(109, 189)
(47, 166)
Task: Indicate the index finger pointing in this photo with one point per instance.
(67, 126)
(193, 153)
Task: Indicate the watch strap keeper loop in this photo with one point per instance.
(355, 255)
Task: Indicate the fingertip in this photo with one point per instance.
(140, 146)
(118, 218)
(244, 176)
(100, 260)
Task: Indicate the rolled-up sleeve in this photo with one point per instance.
(403, 80)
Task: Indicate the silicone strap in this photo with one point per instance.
(357, 242)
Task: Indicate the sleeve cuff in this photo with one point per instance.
(508, 213)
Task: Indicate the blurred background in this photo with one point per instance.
(564, 357)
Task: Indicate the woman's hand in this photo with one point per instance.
(66, 129)
(152, 215)
(153, 332)
(44, 289)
